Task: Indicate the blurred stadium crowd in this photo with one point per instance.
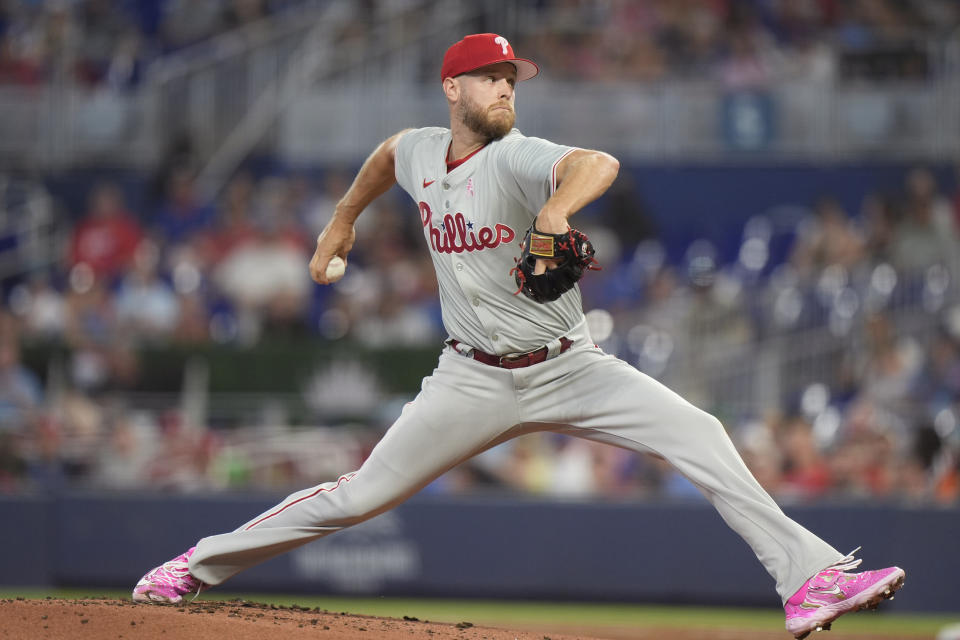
(233, 271)
(835, 290)
(109, 42)
(742, 43)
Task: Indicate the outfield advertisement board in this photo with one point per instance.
(659, 552)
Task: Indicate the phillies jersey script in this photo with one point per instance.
(473, 220)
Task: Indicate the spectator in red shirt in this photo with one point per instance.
(15, 69)
(107, 238)
(806, 474)
(234, 219)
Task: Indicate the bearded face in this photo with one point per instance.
(491, 122)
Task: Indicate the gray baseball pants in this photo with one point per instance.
(466, 407)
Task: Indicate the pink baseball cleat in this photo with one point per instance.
(168, 583)
(832, 593)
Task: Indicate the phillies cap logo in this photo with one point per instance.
(475, 52)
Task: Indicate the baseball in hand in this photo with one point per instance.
(335, 269)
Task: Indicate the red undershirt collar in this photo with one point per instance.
(456, 163)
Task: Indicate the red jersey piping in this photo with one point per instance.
(345, 478)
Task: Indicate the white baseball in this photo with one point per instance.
(335, 269)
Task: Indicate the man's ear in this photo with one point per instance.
(451, 88)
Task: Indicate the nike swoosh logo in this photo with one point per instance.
(834, 591)
(427, 184)
(820, 596)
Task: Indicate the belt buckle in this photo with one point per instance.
(503, 360)
(516, 360)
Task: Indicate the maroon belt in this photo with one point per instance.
(518, 361)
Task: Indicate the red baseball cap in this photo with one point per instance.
(481, 49)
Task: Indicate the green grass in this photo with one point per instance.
(495, 612)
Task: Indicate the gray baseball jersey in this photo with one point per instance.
(473, 220)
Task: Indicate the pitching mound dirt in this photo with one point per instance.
(103, 619)
(110, 619)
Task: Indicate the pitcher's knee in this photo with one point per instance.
(357, 505)
(708, 424)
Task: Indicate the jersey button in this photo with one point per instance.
(459, 266)
(447, 204)
(446, 185)
(495, 337)
(476, 302)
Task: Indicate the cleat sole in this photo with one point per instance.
(150, 597)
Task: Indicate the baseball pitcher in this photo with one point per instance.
(518, 347)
